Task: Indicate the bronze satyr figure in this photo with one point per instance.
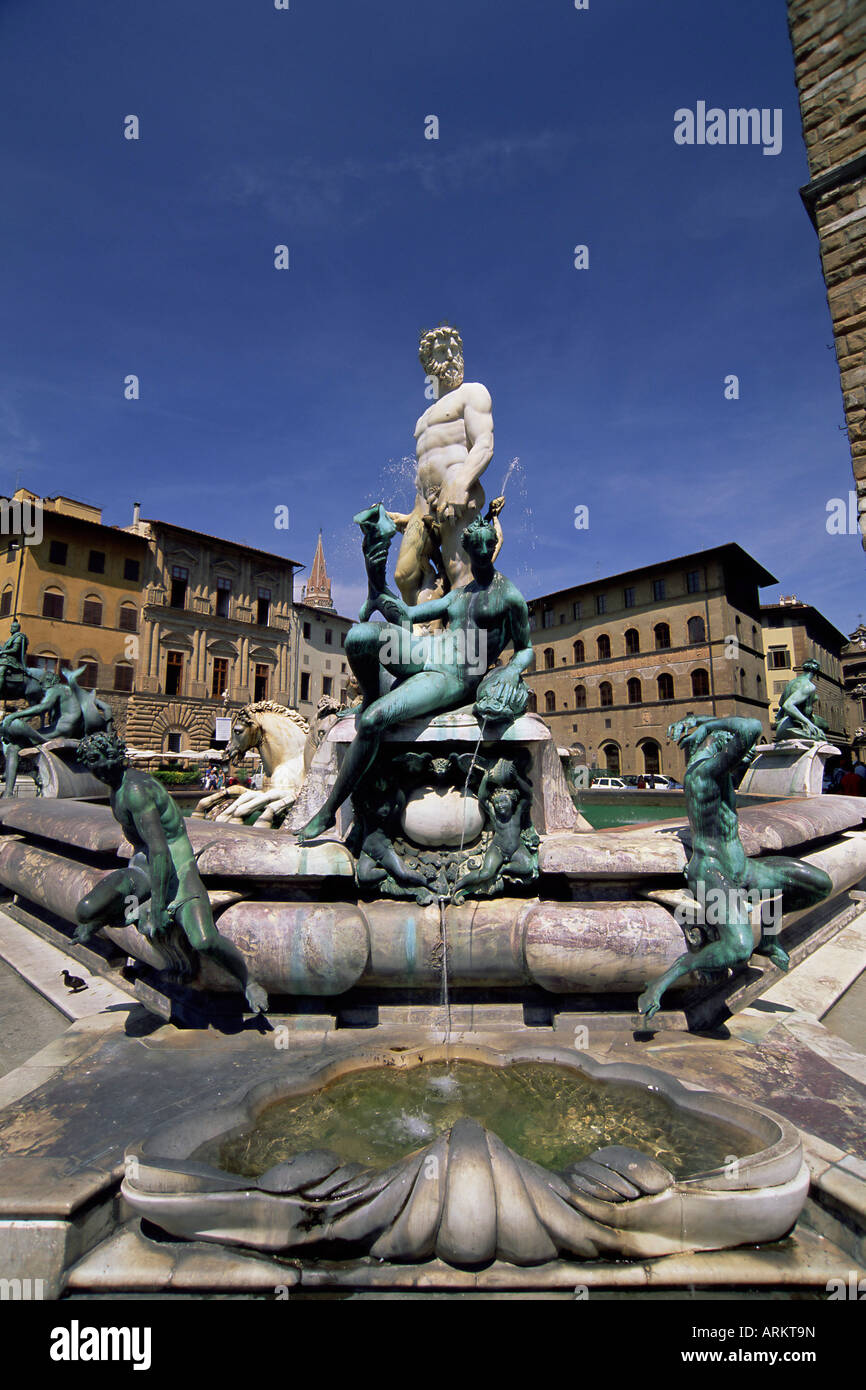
(162, 880)
(719, 870)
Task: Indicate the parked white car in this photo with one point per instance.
(610, 784)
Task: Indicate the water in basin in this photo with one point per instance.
(551, 1114)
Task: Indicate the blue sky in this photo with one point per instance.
(261, 388)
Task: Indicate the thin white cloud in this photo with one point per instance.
(310, 191)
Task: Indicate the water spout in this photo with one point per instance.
(446, 1000)
(508, 472)
(470, 769)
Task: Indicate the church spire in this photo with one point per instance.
(318, 591)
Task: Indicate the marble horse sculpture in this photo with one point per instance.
(280, 735)
(719, 872)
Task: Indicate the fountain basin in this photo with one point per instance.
(551, 1114)
(467, 1196)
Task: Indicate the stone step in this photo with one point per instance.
(128, 1262)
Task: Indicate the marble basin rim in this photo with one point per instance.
(776, 1139)
(531, 1214)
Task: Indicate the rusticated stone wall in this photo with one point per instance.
(829, 41)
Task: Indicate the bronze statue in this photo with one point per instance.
(18, 681)
(162, 877)
(377, 532)
(405, 675)
(70, 713)
(505, 795)
(719, 870)
(796, 718)
(13, 652)
(378, 805)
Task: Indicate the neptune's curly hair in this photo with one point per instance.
(101, 750)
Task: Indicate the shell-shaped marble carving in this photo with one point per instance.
(466, 1199)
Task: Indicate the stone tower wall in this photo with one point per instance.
(829, 42)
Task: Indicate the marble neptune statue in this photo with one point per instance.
(454, 445)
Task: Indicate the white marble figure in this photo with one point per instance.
(280, 735)
(454, 445)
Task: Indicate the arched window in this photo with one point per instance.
(532, 703)
(52, 603)
(697, 630)
(635, 694)
(91, 611)
(128, 618)
(605, 693)
(548, 658)
(651, 756)
(603, 645)
(47, 661)
(610, 753)
(123, 676)
(632, 642)
(666, 686)
(578, 652)
(549, 702)
(662, 636)
(6, 601)
(700, 683)
(90, 674)
(580, 697)
(742, 681)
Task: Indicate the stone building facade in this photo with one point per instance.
(793, 632)
(322, 668)
(829, 42)
(619, 659)
(176, 629)
(218, 630)
(853, 664)
(77, 595)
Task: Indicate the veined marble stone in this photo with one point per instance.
(552, 806)
(794, 767)
(440, 816)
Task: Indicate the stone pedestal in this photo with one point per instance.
(54, 767)
(552, 806)
(794, 767)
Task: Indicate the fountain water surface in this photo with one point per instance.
(553, 1115)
